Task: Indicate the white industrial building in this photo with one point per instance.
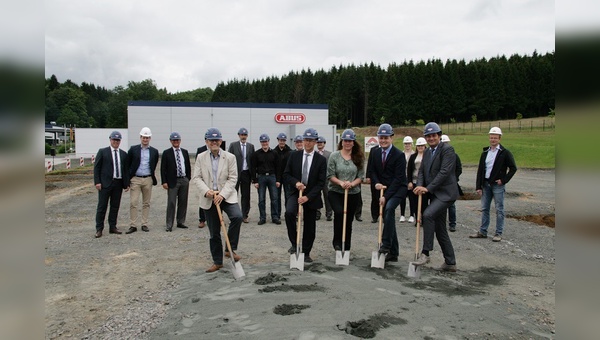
(192, 119)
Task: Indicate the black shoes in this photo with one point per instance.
(452, 229)
(115, 231)
(358, 218)
(292, 250)
(337, 248)
(329, 218)
(384, 250)
(144, 228)
(178, 226)
(261, 222)
(374, 220)
(131, 230)
(391, 258)
(308, 259)
(169, 229)
(278, 222)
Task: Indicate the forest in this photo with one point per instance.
(400, 94)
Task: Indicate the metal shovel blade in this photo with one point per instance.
(237, 270)
(377, 260)
(414, 270)
(297, 261)
(342, 258)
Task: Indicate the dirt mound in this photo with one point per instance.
(547, 220)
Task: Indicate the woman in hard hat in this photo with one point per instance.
(408, 151)
(412, 173)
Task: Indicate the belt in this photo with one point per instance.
(142, 176)
(181, 177)
(266, 174)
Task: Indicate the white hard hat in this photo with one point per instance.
(495, 131)
(408, 139)
(145, 132)
(421, 141)
(445, 139)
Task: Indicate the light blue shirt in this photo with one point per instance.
(215, 168)
(144, 168)
(489, 160)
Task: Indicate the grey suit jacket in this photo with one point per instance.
(437, 174)
(227, 177)
(235, 148)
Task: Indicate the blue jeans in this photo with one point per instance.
(268, 182)
(496, 192)
(390, 237)
(452, 216)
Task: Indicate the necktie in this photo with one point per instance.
(305, 169)
(179, 172)
(433, 152)
(117, 170)
(383, 158)
(244, 166)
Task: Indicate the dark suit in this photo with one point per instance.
(201, 215)
(111, 189)
(316, 180)
(393, 176)
(178, 186)
(437, 174)
(244, 179)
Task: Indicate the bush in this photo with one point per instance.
(419, 122)
(48, 148)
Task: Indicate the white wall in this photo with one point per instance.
(90, 140)
(192, 120)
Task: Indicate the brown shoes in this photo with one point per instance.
(98, 234)
(478, 235)
(214, 268)
(236, 257)
(115, 231)
(448, 267)
(245, 220)
(201, 224)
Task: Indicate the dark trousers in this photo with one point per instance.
(268, 182)
(414, 203)
(243, 187)
(201, 215)
(111, 194)
(214, 226)
(177, 197)
(286, 191)
(328, 211)
(359, 206)
(374, 203)
(452, 216)
(337, 204)
(434, 222)
(402, 206)
(389, 237)
(309, 220)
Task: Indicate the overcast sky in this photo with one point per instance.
(184, 45)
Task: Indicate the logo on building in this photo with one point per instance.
(290, 118)
(371, 142)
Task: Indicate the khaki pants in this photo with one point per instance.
(139, 186)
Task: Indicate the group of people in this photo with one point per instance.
(309, 176)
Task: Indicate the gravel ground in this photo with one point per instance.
(152, 285)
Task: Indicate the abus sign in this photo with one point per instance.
(290, 118)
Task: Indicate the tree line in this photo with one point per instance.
(402, 94)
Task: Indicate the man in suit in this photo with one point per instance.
(201, 214)
(242, 150)
(387, 169)
(438, 180)
(215, 175)
(175, 174)
(111, 176)
(142, 162)
(283, 152)
(306, 170)
(321, 141)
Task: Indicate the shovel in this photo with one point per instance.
(377, 259)
(414, 270)
(343, 257)
(236, 267)
(297, 259)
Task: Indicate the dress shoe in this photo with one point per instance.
(145, 228)
(391, 258)
(131, 230)
(245, 220)
(478, 235)
(384, 250)
(169, 229)
(374, 220)
(115, 231)
(337, 248)
(292, 250)
(448, 267)
(278, 222)
(182, 226)
(422, 260)
(358, 218)
(452, 229)
(214, 268)
(236, 257)
(201, 224)
(261, 222)
(98, 234)
(308, 259)
(329, 218)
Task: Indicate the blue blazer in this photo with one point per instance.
(393, 175)
(104, 165)
(135, 155)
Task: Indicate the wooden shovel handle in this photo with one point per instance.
(299, 223)
(418, 226)
(223, 227)
(345, 214)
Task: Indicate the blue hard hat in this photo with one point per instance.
(431, 128)
(174, 136)
(385, 130)
(213, 134)
(298, 138)
(282, 136)
(264, 138)
(115, 135)
(348, 134)
(321, 139)
(242, 131)
(310, 133)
